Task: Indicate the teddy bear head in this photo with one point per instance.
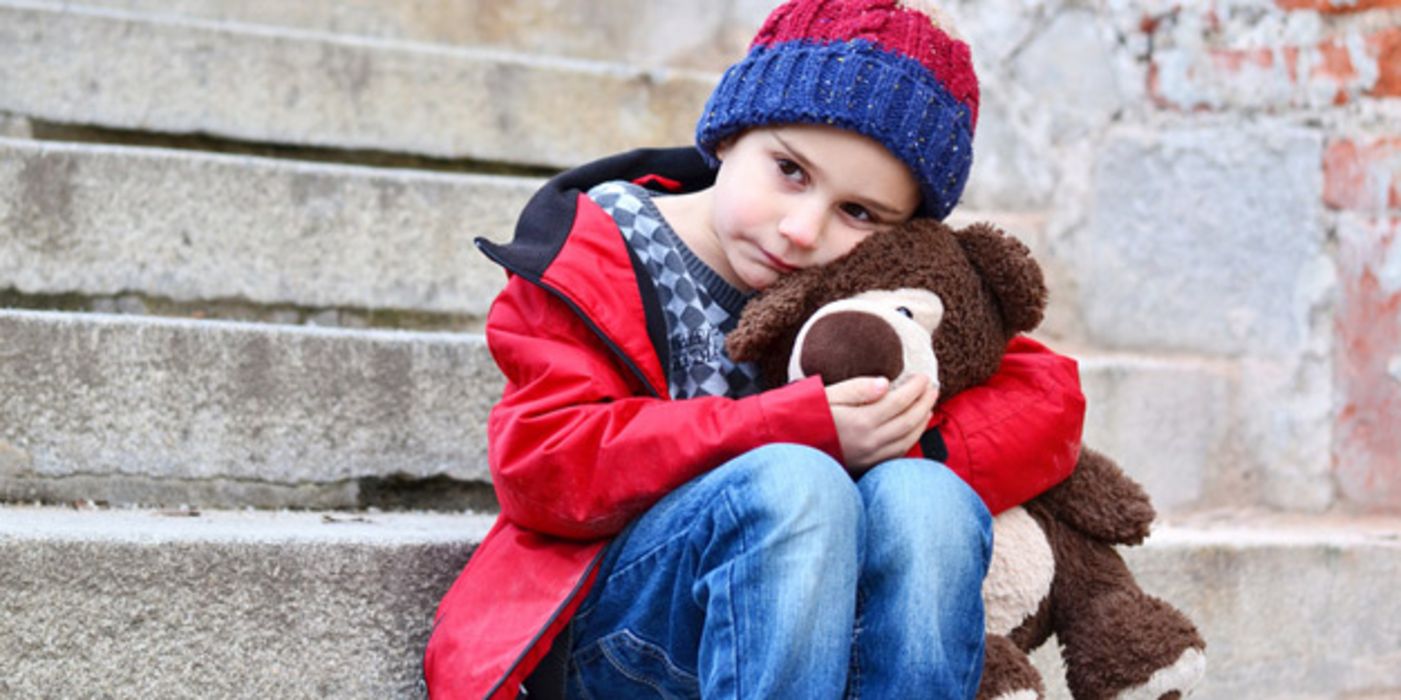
(910, 295)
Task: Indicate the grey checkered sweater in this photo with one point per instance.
(700, 307)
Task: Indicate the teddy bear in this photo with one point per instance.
(926, 298)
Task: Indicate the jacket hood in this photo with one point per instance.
(550, 215)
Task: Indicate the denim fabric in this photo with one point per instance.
(776, 575)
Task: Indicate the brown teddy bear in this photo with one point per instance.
(926, 298)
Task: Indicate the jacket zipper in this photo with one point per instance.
(612, 346)
(549, 623)
(632, 367)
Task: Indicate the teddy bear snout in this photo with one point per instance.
(828, 348)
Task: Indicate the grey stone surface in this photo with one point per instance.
(1290, 608)
(1206, 240)
(1168, 423)
(136, 604)
(150, 604)
(1290, 412)
(88, 219)
(86, 395)
(88, 66)
(703, 35)
(1013, 167)
(14, 127)
(1055, 88)
(26, 486)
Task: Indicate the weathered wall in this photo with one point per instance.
(1216, 185)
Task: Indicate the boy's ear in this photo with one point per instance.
(778, 310)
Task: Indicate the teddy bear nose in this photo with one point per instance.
(849, 344)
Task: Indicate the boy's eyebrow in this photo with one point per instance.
(797, 155)
(808, 165)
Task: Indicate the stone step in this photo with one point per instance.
(1171, 423)
(1292, 608)
(705, 36)
(143, 603)
(134, 409)
(101, 220)
(111, 68)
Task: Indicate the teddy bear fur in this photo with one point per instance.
(1055, 570)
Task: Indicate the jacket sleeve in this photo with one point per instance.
(1018, 434)
(577, 449)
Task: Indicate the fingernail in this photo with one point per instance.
(880, 384)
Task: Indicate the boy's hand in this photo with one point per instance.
(877, 422)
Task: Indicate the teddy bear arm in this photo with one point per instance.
(1101, 501)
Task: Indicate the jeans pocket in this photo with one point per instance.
(623, 665)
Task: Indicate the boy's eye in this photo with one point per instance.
(790, 169)
(858, 212)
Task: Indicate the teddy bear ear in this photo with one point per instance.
(1007, 267)
(770, 314)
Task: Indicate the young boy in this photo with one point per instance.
(667, 529)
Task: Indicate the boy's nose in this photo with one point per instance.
(802, 226)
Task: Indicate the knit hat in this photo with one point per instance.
(877, 67)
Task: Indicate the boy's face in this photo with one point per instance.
(798, 196)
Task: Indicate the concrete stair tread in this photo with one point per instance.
(231, 413)
(1252, 528)
(669, 32)
(1238, 529)
(247, 603)
(187, 226)
(146, 526)
(218, 413)
(136, 603)
(81, 65)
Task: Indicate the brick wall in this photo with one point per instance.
(1215, 189)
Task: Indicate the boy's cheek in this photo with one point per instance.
(841, 246)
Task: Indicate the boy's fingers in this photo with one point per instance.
(858, 391)
(914, 418)
(907, 393)
(898, 400)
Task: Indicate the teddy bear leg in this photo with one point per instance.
(1131, 646)
(1008, 673)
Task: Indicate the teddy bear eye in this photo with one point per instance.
(904, 311)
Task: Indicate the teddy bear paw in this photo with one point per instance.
(1172, 682)
(1008, 673)
(1132, 646)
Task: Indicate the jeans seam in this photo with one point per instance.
(646, 555)
(578, 677)
(968, 678)
(730, 585)
(853, 681)
(649, 649)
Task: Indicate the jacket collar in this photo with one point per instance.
(550, 215)
(567, 245)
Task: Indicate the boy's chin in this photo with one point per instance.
(760, 282)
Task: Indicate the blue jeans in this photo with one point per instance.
(776, 575)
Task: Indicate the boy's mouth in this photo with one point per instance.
(778, 263)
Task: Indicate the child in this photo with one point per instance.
(668, 530)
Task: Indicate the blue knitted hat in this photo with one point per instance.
(876, 67)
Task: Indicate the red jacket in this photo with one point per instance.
(586, 437)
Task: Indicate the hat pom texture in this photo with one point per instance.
(880, 68)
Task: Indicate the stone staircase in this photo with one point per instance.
(242, 382)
